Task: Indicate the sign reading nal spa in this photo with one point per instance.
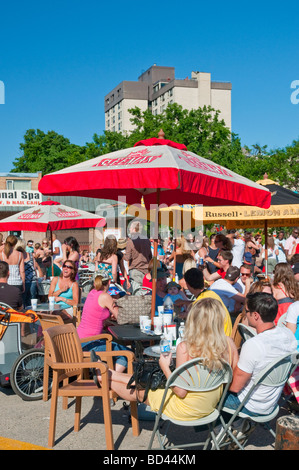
(20, 197)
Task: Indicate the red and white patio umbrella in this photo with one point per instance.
(51, 215)
(160, 171)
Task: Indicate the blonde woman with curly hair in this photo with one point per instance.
(204, 337)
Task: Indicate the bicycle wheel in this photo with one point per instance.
(26, 376)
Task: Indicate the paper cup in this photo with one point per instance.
(158, 323)
(34, 304)
(147, 325)
(142, 318)
(51, 302)
(160, 310)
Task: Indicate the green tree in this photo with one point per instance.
(47, 152)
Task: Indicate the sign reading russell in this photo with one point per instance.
(20, 197)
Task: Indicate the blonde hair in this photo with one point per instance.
(21, 245)
(204, 332)
(99, 283)
(10, 243)
(188, 264)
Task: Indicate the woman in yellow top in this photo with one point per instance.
(204, 337)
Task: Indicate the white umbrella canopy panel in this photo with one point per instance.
(181, 176)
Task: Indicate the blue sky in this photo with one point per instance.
(59, 59)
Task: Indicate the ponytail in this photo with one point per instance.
(10, 242)
(100, 283)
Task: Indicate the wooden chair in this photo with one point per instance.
(47, 321)
(66, 358)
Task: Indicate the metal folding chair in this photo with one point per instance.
(246, 331)
(194, 376)
(275, 374)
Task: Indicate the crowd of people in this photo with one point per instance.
(214, 282)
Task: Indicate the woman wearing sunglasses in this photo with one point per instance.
(65, 289)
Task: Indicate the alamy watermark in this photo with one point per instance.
(2, 92)
(295, 94)
(181, 218)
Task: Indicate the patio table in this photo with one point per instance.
(45, 307)
(133, 335)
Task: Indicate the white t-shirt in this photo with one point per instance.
(238, 252)
(57, 244)
(293, 313)
(225, 291)
(256, 354)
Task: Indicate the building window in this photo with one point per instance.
(18, 184)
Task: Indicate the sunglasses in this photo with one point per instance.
(67, 266)
(246, 274)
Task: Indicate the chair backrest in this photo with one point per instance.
(246, 331)
(47, 321)
(63, 345)
(278, 372)
(282, 320)
(195, 376)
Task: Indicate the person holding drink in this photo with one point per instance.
(203, 337)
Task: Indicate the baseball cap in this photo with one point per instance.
(115, 291)
(247, 258)
(232, 273)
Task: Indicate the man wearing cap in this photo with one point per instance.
(161, 286)
(195, 283)
(231, 297)
(138, 254)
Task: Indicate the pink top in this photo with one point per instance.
(93, 316)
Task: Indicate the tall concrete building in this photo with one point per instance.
(156, 88)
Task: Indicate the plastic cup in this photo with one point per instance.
(147, 325)
(158, 323)
(51, 302)
(34, 304)
(142, 318)
(160, 310)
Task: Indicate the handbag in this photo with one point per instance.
(147, 375)
(131, 307)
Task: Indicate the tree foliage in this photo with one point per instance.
(201, 130)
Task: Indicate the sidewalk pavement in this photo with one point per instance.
(27, 422)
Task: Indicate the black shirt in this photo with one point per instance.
(11, 295)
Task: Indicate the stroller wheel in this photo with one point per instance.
(26, 376)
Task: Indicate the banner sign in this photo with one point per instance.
(20, 197)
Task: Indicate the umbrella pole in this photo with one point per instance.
(155, 259)
(266, 246)
(52, 264)
(175, 213)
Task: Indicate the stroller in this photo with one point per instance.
(21, 357)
